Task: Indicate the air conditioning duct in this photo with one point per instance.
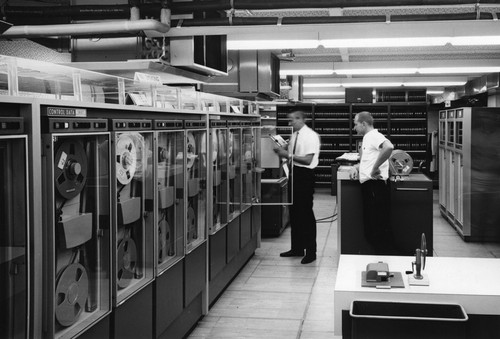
(251, 74)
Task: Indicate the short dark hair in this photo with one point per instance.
(365, 117)
(299, 112)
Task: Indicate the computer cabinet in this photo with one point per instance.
(404, 123)
(104, 203)
(469, 158)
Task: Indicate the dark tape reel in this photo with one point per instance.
(191, 220)
(127, 262)
(165, 241)
(216, 211)
(70, 169)
(191, 150)
(71, 294)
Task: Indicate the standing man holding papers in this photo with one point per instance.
(303, 150)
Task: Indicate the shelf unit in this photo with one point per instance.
(404, 123)
(333, 123)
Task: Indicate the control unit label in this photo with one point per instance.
(66, 112)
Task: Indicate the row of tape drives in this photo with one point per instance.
(92, 210)
(106, 183)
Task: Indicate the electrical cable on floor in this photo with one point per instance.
(325, 219)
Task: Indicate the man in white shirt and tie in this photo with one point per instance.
(304, 148)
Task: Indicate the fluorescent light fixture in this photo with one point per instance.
(435, 91)
(270, 44)
(466, 66)
(371, 84)
(475, 40)
(304, 68)
(306, 72)
(433, 83)
(372, 71)
(459, 70)
(320, 85)
(384, 42)
(327, 93)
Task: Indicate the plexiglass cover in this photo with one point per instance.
(134, 194)
(78, 233)
(219, 172)
(13, 238)
(196, 172)
(273, 172)
(247, 167)
(170, 198)
(234, 172)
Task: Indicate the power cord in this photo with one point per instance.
(332, 217)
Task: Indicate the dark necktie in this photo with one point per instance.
(295, 143)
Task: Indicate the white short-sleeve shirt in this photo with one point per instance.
(307, 143)
(372, 143)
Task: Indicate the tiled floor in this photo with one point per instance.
(275, 297)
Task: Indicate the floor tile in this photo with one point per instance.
(280, 298)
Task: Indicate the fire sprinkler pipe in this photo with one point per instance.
(244, 21)
(101, 28)
(86, 12)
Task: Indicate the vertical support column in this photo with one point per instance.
(77, 86)
(13, 83)
(121, 91)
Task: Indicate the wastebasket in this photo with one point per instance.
(378, 319)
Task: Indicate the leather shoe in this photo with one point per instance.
(308, 259)
(292, 253)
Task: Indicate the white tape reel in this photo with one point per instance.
(191, 150)
(215, 146)
(126, 159)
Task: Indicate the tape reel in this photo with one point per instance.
(70, 169)
(165, 241)
(72, 290)
(126, 159)
(400, 163)
(127, 262)
(216, 212)
(191, 150)
(215, 146)
(191, 220)
(230, 144)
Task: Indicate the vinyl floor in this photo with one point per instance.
(280, 298)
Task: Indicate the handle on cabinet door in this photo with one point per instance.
(411, 189)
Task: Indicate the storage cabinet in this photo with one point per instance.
(404, 123)
(469, 153)
(333, 124)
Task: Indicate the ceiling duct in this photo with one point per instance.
(251, 74)
(126, 55)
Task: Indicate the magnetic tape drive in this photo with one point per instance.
(400, 163)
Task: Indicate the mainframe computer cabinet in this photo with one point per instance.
(469, 156)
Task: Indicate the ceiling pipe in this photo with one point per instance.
(93, 28)
(243, 21)
(266, 4)
(84, 12)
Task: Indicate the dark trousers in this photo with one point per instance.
(376, 215)
(302, 217)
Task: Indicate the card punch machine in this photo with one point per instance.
(377, 272)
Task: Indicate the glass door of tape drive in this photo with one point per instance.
(77, 239)
(196, 162)
(133, 191)
(14, 235)
(275, 171)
